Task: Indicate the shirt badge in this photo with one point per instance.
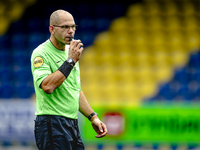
(38, 61)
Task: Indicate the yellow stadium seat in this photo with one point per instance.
(134, 10)
(103, 38)
(148, 89)
(155, 23)
(136, 24)
(151, 9)
(162, 73)
(190, 23)
(157, 39)
(121, 39)
(4, 24)
(2, 8)
(179, 58)
(16, 10)
(90, 92)
(145, 74)
(170, 9)
(139, 39)
(29, 2)
(162, 57)
(173, 23)
(188, 9)
(119, 24)
(193, 40)
(142, 57)
(175, 39)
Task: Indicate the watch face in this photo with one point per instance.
(70, 60)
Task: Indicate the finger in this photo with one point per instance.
(102, 134)
(79, 45)
(100, 127)
(81, 49)
(104, 128)
(74, 43)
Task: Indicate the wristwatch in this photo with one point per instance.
(91, 115)
(71, 61)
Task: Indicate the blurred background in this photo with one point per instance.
(140, 71)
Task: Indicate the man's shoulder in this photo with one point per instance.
(40, 50)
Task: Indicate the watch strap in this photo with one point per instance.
(91, 115)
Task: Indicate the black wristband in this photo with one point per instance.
(65, 68)
(91, 115)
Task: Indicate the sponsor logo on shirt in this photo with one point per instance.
(38, 61)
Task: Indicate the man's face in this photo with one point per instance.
(63, 34)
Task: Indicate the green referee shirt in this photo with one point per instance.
(63, 101)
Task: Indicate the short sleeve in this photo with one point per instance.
(40, 67)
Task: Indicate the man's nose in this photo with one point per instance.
(70, 30)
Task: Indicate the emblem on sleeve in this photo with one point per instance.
(38, 61)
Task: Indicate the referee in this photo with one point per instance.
(56, 74)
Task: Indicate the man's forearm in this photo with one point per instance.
(84, 106)
(53, 81)
(57, 78)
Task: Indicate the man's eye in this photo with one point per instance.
(66, 27)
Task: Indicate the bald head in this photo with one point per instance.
(58, 16)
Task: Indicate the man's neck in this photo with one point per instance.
(57, 44)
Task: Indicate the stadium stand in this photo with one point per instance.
(150, 55)
(28, 28)
(147, 55)
(143, 49)
(12, 10)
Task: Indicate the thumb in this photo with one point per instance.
(100, 127)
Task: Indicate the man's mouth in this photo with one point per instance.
(70, 38)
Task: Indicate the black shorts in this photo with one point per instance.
(57, 133)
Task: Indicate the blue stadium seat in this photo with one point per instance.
(21, 58)
(194, 61)
(101, 24)
(186, 93)
(35, 39)
(85, 9)
(167, 92)
(182, 76)
(36, 24)
(101, 10)
(86, 24)
(116, 10)
(4, 42)
(196, 76)
(18, 40)
(22, 75)
(19, 26)
(155, 98)
(87, 38)
(5, 58)
(197, 93)
(6, 90)
(6, 74)
(24, 90)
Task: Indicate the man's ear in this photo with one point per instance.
(51, 29)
